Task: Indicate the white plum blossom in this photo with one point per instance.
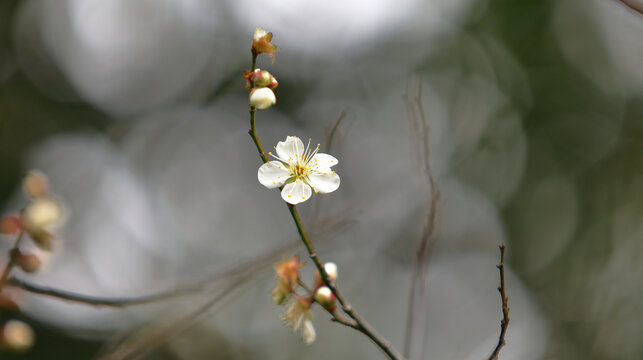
(299, 170)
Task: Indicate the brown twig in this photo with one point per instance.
(504, 323)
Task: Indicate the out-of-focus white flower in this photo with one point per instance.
(331, 270)
(262, 98)
(308, 334)
(42, 212)
(300, 170)
(18, 336)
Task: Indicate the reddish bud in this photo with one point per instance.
(261, 78)
(325, 297)
(10, 224)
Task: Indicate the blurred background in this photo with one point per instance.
(137, 113)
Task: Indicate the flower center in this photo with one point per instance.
(299, 170)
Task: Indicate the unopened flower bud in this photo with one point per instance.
(261, 78)
(331, 270)
(16, 335)
(262, 98)
(324, 297)
(35, 184)
(10, 224)
(308, 334)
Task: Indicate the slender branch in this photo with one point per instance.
(96, 300)
(504, 323)
(253, 135)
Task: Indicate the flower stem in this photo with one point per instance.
(253, 135)
(253, 128)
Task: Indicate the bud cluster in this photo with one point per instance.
(259, 82)
(41, 214)
(298, 314)
(323, 294)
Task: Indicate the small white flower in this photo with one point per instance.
(300, 170)
(308, 334)
(262, 98)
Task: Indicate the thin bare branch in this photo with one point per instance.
(333, 130)
(416, 312)
(504, 323)
(97, 300)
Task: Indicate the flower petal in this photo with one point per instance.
(288, 150)
(323, 161)
(296, 192)
(324, 182)
(272, 174)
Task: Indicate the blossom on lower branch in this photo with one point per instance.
(299, 170)
(298, 316)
